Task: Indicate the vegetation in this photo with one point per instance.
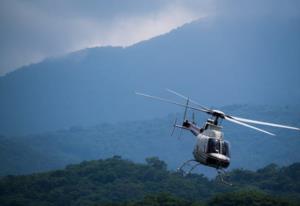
(116, 181)
(248, 197)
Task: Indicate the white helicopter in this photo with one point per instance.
(211, 149)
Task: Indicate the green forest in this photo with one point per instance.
(117, 181)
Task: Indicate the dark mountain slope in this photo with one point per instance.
(218, 62)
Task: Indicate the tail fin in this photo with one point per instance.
(184, 116)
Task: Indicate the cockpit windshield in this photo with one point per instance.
(218, 146)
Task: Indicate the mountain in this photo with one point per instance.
(116, 181)
(137, 140)
(218, 62)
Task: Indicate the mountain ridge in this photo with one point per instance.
(217, 63)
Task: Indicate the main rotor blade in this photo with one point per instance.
(171, 102)
(184, 97)
(264, 123)
(247, 125)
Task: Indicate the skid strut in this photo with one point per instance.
(183, 170)
(221, 174)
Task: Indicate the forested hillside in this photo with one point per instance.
(137, 140)
(122, 182)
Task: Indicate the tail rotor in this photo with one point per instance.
(174, 126)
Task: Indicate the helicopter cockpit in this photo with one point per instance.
(218, 146)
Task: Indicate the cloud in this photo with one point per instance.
(257, 9)
(34, 30)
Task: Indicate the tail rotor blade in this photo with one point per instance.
(184, 116)
(174, 126)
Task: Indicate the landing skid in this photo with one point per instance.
(191, 167)
(185, 164)
(221, 175)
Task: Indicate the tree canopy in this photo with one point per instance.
(116, 181)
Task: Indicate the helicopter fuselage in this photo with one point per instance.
(210, 149)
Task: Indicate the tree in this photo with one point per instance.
(156, 163)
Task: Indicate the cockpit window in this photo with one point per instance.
(225, 148)
(218, 146)
(213, 146)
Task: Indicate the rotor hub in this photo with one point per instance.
(218, 113)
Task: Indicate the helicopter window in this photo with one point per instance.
(217, 146)
(225, 149)
(213, 146)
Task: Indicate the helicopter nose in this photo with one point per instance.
(220, 157)
(220, 160)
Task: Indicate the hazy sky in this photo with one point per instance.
(33, 30)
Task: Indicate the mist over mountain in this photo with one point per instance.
(218, 62)
(137, 140)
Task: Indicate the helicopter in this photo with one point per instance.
(211, 149)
